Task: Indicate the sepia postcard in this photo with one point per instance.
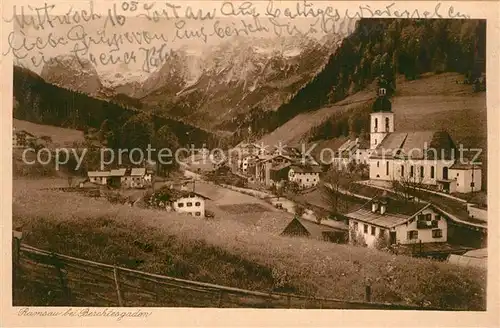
(250, 163)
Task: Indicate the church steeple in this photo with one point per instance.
(382, 117)
(382, 103)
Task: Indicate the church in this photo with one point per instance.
(421, 157)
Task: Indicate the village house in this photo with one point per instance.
(284, 225)
(117, 177)
(21, 138)
(423, 157)
(182, 201)
(398, 222)
(190, 203)
(264, 165)
(304, 175)
(137, 177)
(244, 163)
(99, 177)
(353, 150)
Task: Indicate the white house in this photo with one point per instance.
(467, 177)
(304, 176)
(426, 157)
(137, 177)
(190, 203)
(98, 177)
(398, 222)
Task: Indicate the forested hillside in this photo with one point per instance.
(40, 102)
(390, 47)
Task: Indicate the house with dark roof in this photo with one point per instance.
(398, 222)
(306, 176)
(296, 227)
(21, 138)
(422, 157)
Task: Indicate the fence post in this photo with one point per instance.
(16, 253)
(219, 301)
(64, 286)
(117, 286)
(368, 293)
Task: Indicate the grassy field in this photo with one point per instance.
(60, 136)
(228, 252)
(432, 102)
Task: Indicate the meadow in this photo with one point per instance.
(228, 252)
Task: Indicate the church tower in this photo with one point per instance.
(382, 117)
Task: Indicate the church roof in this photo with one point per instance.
(416, 145)
(382, 104)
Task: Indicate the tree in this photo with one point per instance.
(408, 186)
(137, 132)
(299, 210)
(356, 238)
(335, 182)
(165, 139)
(46, 139)
(381, 242)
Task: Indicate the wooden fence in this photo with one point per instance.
(42, 278)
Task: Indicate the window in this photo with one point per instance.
(402, 170)
(437, 217)
(376, 126)
(437, 233)
(432, 172)
(412, 234)
(355, 226)
(378, 164)
(421, 171)
(387, 168)
(375, 141)
(411, 171)
(373, 230)
(386, 124)
(434, 224)
(365, 228)
(198, 214)
(197, 204)
(382, 232)
(189, 204)
(458, 174)
(180, 204)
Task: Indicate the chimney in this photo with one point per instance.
(383, 207)
(374, 206)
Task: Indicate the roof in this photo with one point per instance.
(382, 104)
(118, 172)
(465, 166)
(277, 224)
(138, 171)
(316, 229)
(173, 193)
(23, 132)
(98, 173)
(330, 144)
(397, 213)
(280, 167)
(271, 157)
(478, 253)
(306, 169)
(416, 145)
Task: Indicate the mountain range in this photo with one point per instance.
(210, 89)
